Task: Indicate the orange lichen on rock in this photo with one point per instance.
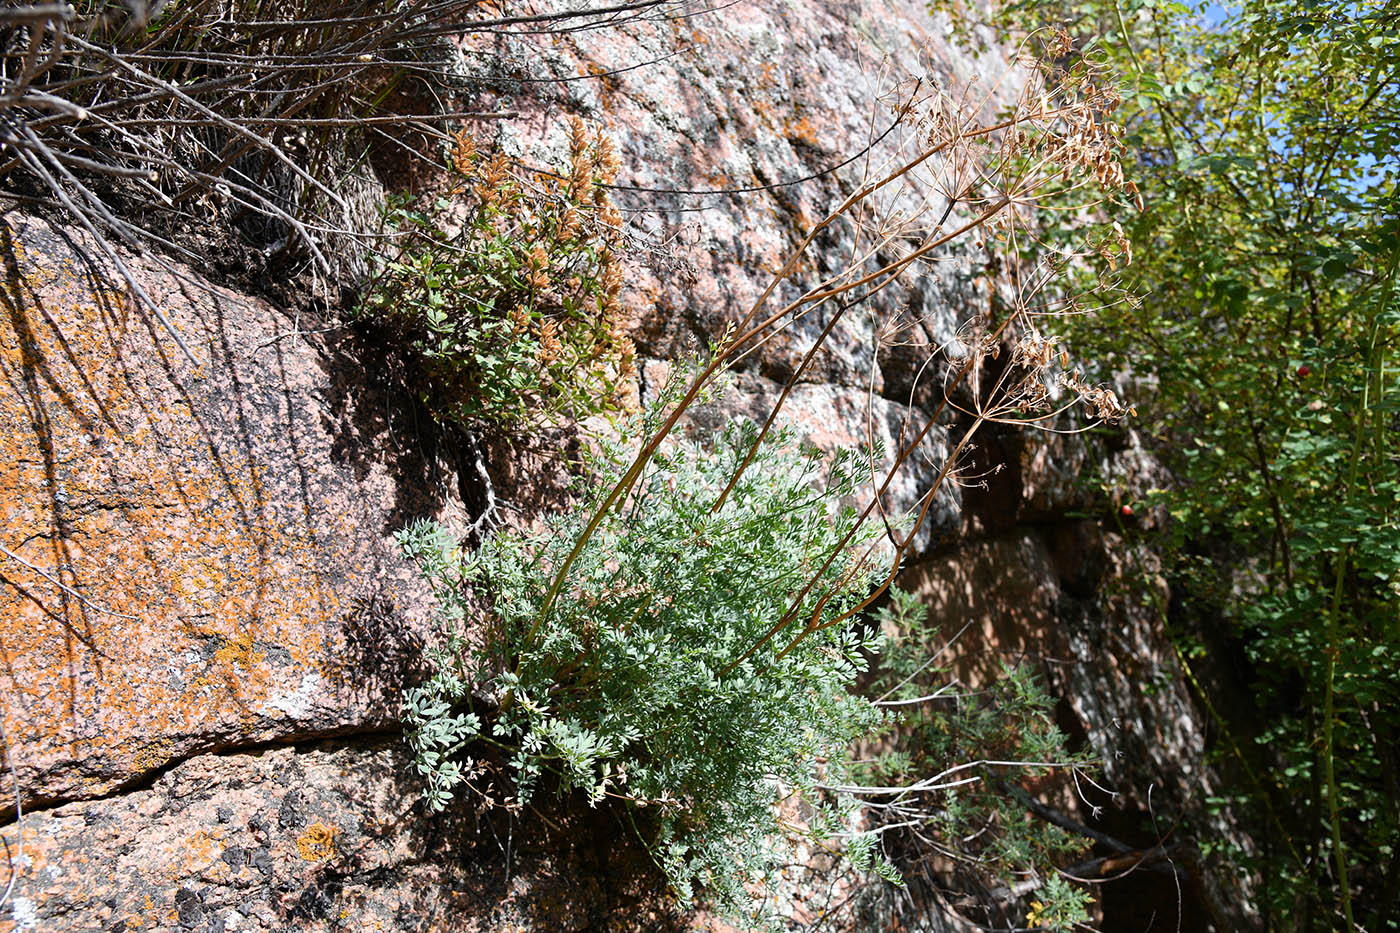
(317, 843)
(238, 653)
(164, 585)
(201, 849)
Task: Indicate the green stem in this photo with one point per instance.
(1216, 717)
(1329, 711)
(1329, 718)
(1154, 596)
(1127, 40)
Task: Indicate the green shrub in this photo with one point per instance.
(1267, 262)
(503, 293)
(628, 690)
(1008, 720)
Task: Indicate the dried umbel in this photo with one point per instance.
(1102, 402)
(1036, 352)
(1059, 152)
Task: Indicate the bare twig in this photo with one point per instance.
(63, 586)
(19, 814)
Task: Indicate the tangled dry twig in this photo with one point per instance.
(139, 120)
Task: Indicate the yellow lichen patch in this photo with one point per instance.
(238, 653)
(317, 844)
(201, 850)
(151, 755)
(158, 524)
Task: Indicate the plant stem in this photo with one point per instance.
(1374, 365)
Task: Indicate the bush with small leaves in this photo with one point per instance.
(1061, 906)
(503, 294)
(995, 737)
(635, 687)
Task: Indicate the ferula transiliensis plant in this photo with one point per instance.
(686, 643)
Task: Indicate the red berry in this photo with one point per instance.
(1126, 511)
(1303, 371)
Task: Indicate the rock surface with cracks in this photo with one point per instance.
(197, 557)
(201, 568)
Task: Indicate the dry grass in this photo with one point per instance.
(139, 120)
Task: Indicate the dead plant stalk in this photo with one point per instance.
(999, 172)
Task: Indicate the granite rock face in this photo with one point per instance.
(200, 570)
(204, 621)
(198, 556)
(319, 837)
(738, 129)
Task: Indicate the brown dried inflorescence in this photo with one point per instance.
(508, 298)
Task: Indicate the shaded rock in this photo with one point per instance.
(222, 531)
(1083, 607)
(363, 858)
(1099, 646)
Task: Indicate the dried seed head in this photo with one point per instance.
(463, 151)
(550, 346)
(578, 138)
(1035, 352)
(1103, 402)
(569, 226)
(492, 182)
(606, 157)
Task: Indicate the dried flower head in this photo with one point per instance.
(550, 345)
(463, 151)
(491, 183)
(1102, 402)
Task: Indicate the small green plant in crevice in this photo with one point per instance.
(1060, 906)
(628, 690)
(1005, 734)
(503, 293)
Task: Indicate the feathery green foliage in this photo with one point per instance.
(1060, 906)
(625, 693)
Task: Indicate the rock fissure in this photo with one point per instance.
(349, 737)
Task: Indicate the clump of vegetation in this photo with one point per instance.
(1061, 906)
(635, 688)
(1003, 739)
(1262, 135)
(503, 293)
(684, 642)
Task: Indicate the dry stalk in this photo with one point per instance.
(1057, 141)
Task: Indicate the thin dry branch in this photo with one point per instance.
(1054, 132)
